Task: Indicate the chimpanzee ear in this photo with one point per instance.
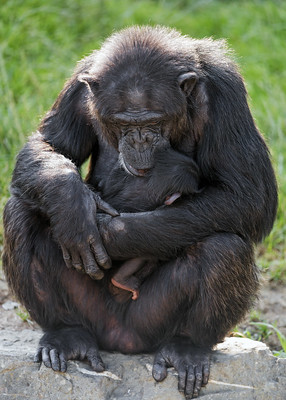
(187, 82)
(89, 80)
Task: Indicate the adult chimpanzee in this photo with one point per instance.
(146, 90)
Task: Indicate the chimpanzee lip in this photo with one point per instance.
(134, 171)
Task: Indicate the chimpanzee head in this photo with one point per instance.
(141, 96)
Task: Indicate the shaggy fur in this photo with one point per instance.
(203, 276)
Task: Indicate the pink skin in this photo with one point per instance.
(170, 199)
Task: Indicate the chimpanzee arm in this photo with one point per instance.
(240, 196)
(47, 179)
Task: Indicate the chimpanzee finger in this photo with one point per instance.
(182, 375)
(38, 355)
(103, 206)
(159, 371)
(90, 266)
(99, 251)
(206, 374)
(76, 261)
(55, 361)
(46, 357)
(66, 257)
(95, 360)
(190, 383)
(198, 384)
(63, 363)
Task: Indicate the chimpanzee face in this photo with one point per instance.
(139, 115)
(140, 131)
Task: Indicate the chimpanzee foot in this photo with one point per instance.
(130, 287)
(192, 364)
(58, 346)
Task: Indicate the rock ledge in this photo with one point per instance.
(241, 369)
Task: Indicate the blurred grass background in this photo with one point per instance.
(40, 44)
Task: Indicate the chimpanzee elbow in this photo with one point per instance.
(263, 217)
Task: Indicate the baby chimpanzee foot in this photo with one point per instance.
(58, 346)
(192, 364)
(131, 286)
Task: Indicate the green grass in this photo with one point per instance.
(256, 328)
(40, 44)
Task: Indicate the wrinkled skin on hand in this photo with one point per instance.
(191, 363)
(85, 252)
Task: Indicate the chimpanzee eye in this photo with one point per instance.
(154, 123)
(124, 129)
(155, 126)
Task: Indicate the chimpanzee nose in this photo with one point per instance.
(141, 140)
(142, 137)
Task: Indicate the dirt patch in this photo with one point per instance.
(271, 308)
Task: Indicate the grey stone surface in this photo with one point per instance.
(241, 370)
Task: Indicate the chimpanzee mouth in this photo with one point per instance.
(133, 171)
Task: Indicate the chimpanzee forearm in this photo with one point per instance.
(46, 179)
(50, 183)
(165, 232)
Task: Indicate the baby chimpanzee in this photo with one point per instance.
(162, 189)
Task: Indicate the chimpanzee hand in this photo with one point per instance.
(79, 238)
(192, 364)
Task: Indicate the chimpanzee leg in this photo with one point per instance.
(201, 295)
(34, 265)
(227, 289)
(196, 301)
(185, 306)
(125, 279)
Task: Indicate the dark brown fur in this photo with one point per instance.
(146, 90)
